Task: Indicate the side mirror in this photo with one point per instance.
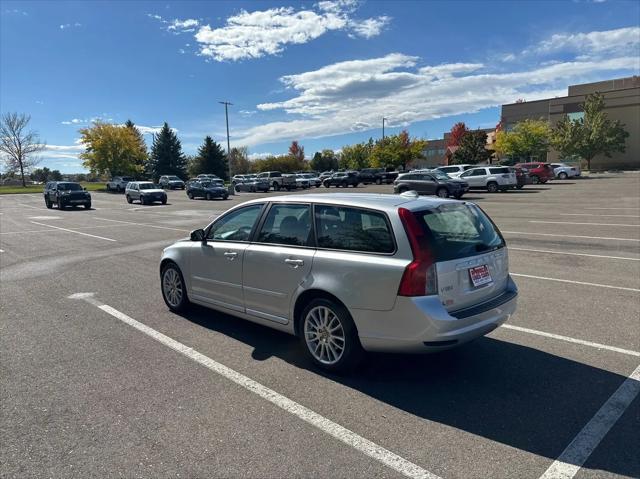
(84, 189)
(197, 235)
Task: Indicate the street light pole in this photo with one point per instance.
(383, 119)
(226, 116)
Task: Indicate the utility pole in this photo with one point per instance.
(383, 119)
(226, 115)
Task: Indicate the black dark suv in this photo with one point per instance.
(342, 178)
(66, 193)
(433, 182)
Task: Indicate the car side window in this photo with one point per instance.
(235, 226)
(466, 174)
(287, 224)
(353, 229)
(478, 172)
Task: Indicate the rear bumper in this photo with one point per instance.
(422, 325)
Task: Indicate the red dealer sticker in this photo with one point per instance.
(480, 275)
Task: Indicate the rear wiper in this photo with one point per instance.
(484, 247)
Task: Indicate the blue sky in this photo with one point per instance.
(323, 73)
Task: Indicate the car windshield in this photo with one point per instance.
(174, 178)
(147, 186)
(210, 183)
(458, 230)
(69, 187)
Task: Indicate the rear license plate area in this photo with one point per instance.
(480, 275)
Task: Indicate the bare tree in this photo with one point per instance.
(17, 145)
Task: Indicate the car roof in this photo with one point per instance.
(364, 200)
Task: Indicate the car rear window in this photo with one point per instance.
(353, 229)
(499, 170)
(458, 231)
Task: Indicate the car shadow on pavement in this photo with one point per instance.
(516, 395)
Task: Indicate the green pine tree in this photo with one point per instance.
(212, 159)
(166, 155)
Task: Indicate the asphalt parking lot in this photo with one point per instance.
(113, 384)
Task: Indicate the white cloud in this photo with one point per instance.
(355, 95)
(187, 25)
(15, 11)
(86, 121)
(267, 32)
(147, 130)
(70, 25)
(370, 27)
(619, 41)
(258, 156)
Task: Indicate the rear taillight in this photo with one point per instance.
(419, 277)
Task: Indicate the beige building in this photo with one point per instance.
(622, 102)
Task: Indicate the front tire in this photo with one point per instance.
(442, 193)
(190, 195)
(535, 180)
(329, 336)
(174, 291)
(563, 176)
(129, 200)
(48, 203)
(276, 186)
(87, 206)
(378, 181)
(208, 197)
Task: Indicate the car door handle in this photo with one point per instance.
(230, 255)
(294, 263)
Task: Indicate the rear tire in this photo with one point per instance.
(208, 197)
(378, 181)
(519, 187)
(535, 180)
(174, 291)
(142, 200)
(276, 186)
(443, 193)
(492, 187)
(329, 336)
(87, 206)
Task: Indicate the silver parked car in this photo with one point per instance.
(349, 273)
(146, 192)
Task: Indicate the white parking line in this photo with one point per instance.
(616, 208)
(144, 224)
(511, 248)
(590, 224)
(572, 340)
(339, 432)
(579, 450)
(589, 214)
(49, 231)
(569, 236)
(73, 231)
(636, 290)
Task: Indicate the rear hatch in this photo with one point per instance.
(469, 254)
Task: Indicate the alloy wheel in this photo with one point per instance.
(324, 335)
(172, 287)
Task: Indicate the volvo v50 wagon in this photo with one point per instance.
(349, 273)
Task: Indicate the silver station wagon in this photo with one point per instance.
(349, 273)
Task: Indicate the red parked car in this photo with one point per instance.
(539, 172)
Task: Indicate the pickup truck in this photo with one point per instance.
(118, 183)
(277, 180)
